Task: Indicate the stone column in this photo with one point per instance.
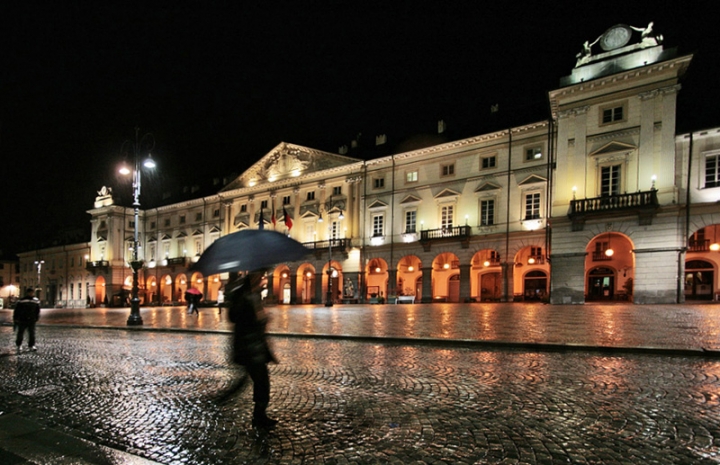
(567, 280)
(427, 296)
(270, 298)
(293, 288)
(392, 282)
(318, 287)
(464, 283)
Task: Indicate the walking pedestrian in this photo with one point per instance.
(250, 347)
(26, 314)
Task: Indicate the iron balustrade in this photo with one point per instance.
(607, 203)
(698, 245)
(90, 266)
(600, 256)
(337, 244)
(445, 233)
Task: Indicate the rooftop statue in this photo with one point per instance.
(618, 37)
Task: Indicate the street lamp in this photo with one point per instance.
(329, 299)
(135, 319)
(38, 265)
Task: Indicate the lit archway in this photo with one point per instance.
(486, 276)
(100, 291)
(336, 277)
(166, 289)
(281, 284)
(152, 290)
(445, 287)
(306, 283)
(376, 279)
(699, 280)
(409, 273)
(702, 262)
(609, 267)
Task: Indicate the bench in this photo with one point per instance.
(405, 298)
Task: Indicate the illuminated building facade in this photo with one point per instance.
(602, 201)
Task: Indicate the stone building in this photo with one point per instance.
(601, 201)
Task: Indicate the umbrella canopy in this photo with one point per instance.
(248, 250)
(193, 291)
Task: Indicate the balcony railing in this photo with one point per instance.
(643, 203)
(339, 244)
(176, 261)
(600, 256)
(699, 246)
(445, 233)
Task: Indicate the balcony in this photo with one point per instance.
(99, 265)
(644, 204)
(601, 256)
(463, 233)
(176, 261)
(698, 245)
(321, 247)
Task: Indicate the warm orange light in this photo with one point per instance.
(377, 270)
(486, 263)
(411, 268)
(715, 247)
(531, 260)
(284, 275)
(446, 266)
(308, 274)
(609, 252)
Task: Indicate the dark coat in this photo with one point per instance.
(27, 310)
(250, 345)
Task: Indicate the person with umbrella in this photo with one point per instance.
(193, 297)
(250, 347)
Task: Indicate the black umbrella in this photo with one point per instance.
(248, 250)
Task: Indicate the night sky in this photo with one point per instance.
(219, 84)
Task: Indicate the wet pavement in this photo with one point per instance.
(694, 327)
(380, 384)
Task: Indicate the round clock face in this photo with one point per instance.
(615, 37)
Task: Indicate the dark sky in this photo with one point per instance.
(219, 84)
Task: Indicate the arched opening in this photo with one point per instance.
(535, 285)
(152, 291)
(281, 284)
(181, 285)
(408, 273)
(100, 291)
(306, 284)
(332, 281)
(609, 267)
(699, 280)
(446, 278)
(486, 276)
(213, 288)
(166, 289)
(377, 279)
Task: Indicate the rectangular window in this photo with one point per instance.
(264, 204)
(410, 221)
(166, 251)
(152, 225)
(198, 246)
(334, 230)
(533, 154)
(182, 219)
(167, 222)
(152, 252)
(532, 206)
(487, 163)
(378, 183)
(286, 200)
(610, 180)
(378, 225)
(611, 115)
(79, 291)
(72, 262)
(243, 208)
(198, 216)
(216, 213)
(72, 291)
(447, 214)
(181, 248)
(131, 224)
(447, 170)
(712, 170)
(487, 212)
(411, 176)
(311, 195)
(337, 190)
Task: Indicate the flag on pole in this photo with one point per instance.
(272, 218)
(287, 219)
(261, 223)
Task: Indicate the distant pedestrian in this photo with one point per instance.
(26, 314)
(193, 299)
(250, 347)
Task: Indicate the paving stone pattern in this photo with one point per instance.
(350, 402)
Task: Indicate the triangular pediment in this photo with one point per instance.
(446, 193)
(377, 204)
(532, 179)
(197, 232)
(181, 234)
(215, 229)
(152, 239)
(410, 199)
(486, 187)
(287, 161)
(613, 147)
(165, 237)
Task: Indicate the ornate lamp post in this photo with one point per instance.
(38, 265)
(135, 319)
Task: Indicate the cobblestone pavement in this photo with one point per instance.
(682, 327)
(151, 393)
